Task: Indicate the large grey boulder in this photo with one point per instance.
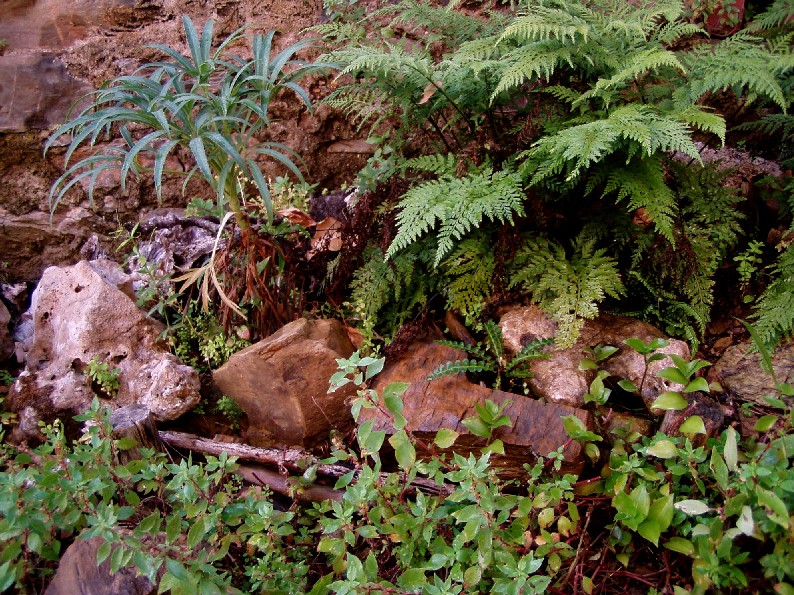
(282, 383)
(83, 312)
(558, 379)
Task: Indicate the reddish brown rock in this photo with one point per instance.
(282, 384)
(445, 402)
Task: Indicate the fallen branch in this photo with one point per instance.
(292, 459)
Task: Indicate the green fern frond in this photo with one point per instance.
(707, 121)
(739, 63)
(538, 60)
(441, 165)
(457, 205)
(461, 367)
(642, 184)
(470, 269)
(672, 31)
(776, 15)
(530, 352)
(563, 93)
(475, 349)
(493, 336)
(774, 313)
(635, 64)
(567, 289)
(587, 144)
(545, 23)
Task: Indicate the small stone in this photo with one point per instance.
(740, 373)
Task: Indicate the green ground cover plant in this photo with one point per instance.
(716, 514)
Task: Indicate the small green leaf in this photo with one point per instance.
(693, 425)
(404, 450)
(496, 447)
(664, 449)
(731, 450)
(670, 401)
(445, 438)
(477, 427)
(745, 522)
(674, 375)
(783, 589)
(103, 552)
(692, 507)
(698, 384)
(680, 545)
(472, 577)
(765, 423)
(628, 386)
(412, 579)
(776, 508)
(577, 430)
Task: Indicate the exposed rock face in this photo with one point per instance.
(79, 574)
(58, 51)
(559, 379)
(6, 342)
(282, 383)
(86, 311)
(443, 403)
(740, 373)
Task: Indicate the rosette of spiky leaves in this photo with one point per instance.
(209, 102)
(490, 356)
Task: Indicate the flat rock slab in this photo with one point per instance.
(282, 384)
(445, 402)
(741, 375)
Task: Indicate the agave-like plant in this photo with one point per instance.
(211, 101)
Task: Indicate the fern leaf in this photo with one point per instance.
(458, 205)
(568, 290)
(460, 367)
(545, 23)
(530, 352)
(493, 335)
(774, 314)
(470, 269)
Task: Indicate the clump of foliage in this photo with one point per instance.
(708, 510)
(212, 105)
(546, 118)
(105, 378)
(200, 341)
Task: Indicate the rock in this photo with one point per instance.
(83, 312)
(699, 404)
(740, 373)
(620, 423)
(445, 402)
(558, 378)
(282, 383)
(6, 341)
(79, 574)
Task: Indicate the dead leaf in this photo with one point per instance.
(297, 217)
(328, 237)
(430, 90)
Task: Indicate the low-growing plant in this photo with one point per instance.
(491, 356)
(229, 408)
(103, 377)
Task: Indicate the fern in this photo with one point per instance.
(568, 290)
(774, 314)
(741, 64)
(776, 15)
(456, 206)
(461, 366)
(384, 294)
(470, 270)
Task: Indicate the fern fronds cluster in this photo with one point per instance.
(452, 207)
(568, 289)
(774, 313)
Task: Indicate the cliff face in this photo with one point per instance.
(55, 52)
